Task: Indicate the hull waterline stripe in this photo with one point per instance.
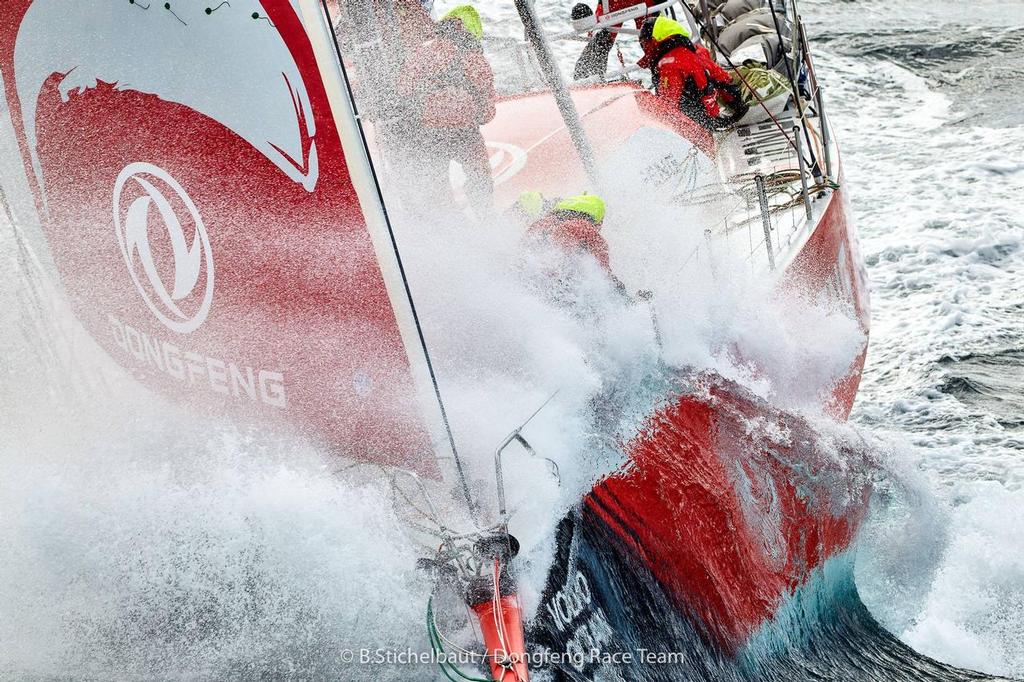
(622, 511)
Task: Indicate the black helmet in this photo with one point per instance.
(647, 30)
(581, 11)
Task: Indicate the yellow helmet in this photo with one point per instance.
(589, 205)
(666, 28)
(470, 19)
(531, 204)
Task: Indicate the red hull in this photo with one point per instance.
(232, 267)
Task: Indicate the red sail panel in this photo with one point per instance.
(195, 195)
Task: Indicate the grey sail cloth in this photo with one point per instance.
(775, 51)
(731, 10)
(760, 22)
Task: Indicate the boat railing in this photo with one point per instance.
(499, 471)
(801, 170)
(818, 99)
(765, 208)
(784, 206)
(619, 21)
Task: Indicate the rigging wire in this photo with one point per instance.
(460, 469)
(497, 612)
(792, 79)
(752, 90)
(438, 648)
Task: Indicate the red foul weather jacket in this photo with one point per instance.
(675, 62)
(572, 233)
(450, 80)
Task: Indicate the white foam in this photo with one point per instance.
(936, 194)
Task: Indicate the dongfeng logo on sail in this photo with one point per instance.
(184, 305)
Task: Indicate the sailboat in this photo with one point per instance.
(215, 187)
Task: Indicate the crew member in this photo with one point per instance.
(574, 225)
(451, 85)
(530, 207)
(686, 75)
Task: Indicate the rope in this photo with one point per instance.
(749, 87)
(818, 142)
(499, 624)
(437, 640)
(496, 606)
(795, 199)
(438, 647)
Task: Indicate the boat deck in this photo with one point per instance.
(765, 156)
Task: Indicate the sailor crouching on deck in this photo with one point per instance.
(573, 227)
(686, 75)
(574, 224)
(452, 84)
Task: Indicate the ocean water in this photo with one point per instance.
(926, 101)
(136, 539)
